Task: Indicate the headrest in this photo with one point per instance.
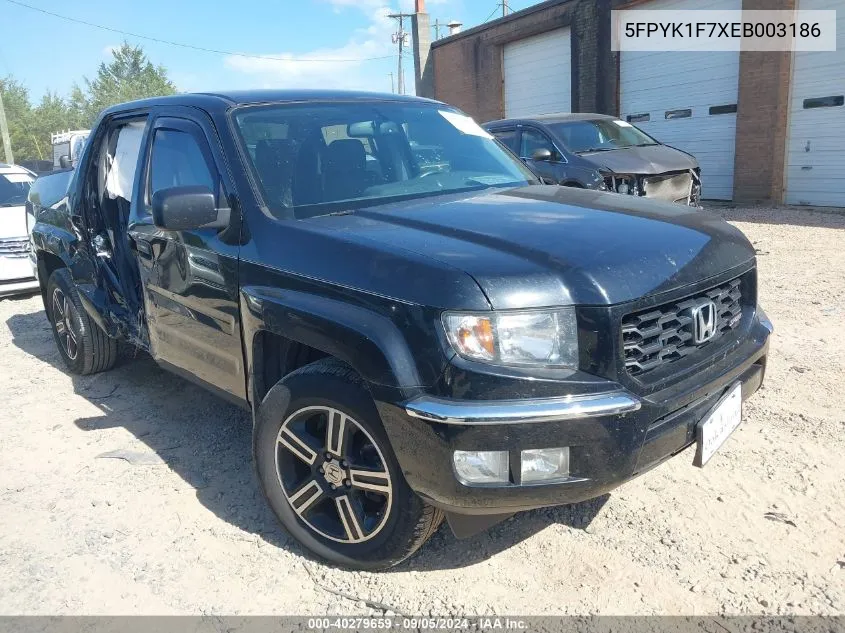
(349, 152)
(278, 150)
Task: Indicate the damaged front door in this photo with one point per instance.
(107, 277)
(189, 277)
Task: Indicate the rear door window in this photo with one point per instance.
(121, 164)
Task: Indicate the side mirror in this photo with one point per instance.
(65, 162)
(188, 208)
(541, 155)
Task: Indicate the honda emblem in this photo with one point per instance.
(704, 319)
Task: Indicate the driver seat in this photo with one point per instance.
(345, 175)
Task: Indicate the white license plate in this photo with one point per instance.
(712, 432)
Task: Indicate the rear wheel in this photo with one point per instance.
(329, 473)
(84, 347)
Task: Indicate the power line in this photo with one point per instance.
(496, 10)
(504, 6)
(190, 46)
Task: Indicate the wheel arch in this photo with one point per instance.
(47, 263)
(285, 330)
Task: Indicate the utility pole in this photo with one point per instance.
(505, 7)
(437, 24)
(400, 38)
(4, 132)
(392, 89)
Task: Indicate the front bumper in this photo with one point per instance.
(17, 275)
(613, 435)
(644, 185)
(18, 287)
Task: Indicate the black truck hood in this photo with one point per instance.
(541, 245)
(651, 159)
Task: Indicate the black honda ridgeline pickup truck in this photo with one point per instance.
(419, 326)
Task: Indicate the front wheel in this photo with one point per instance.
(329, 474)
(84, 347)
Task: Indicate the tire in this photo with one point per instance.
(390, 522)
(84, 347)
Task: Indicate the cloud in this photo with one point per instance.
(320, 68)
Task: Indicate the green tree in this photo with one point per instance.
(129, 76)
(19, 116)
(53, 114)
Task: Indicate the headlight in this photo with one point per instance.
(536, 337)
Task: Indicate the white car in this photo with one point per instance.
(16, 274)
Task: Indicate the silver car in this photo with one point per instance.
(16, 271)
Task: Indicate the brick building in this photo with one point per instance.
(765, 126)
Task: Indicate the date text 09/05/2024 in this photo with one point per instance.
(482, 623)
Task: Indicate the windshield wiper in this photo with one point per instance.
(597, 149)
(645, 144)
(487, 185)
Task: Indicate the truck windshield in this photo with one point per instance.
(14, 188)
(326, 158)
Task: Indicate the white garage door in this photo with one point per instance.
(538, 74)
(815, 162)
(687, 100)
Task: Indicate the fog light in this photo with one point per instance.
(545, 464)
(481, 467)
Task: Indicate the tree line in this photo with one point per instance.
(127, 76)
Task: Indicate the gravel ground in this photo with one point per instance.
(181, 528)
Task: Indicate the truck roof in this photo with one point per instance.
(223, 100)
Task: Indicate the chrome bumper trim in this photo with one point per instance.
(764, 320)
(9, 288)
(481, 412)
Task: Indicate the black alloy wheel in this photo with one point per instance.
(63, 321)
(337, 481)
(84, 347)
(328, 471)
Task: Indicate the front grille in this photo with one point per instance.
(15, 247)
(671, 187)
(664, 334)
